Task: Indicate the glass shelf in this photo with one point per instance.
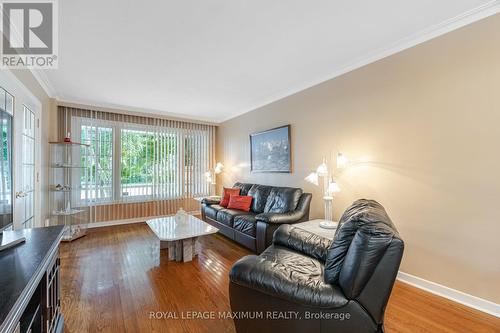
(69, 144)
(70, 212)
(62, 191)
(66, 166)
(65, 190)
(66, 172)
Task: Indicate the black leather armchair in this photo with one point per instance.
(306, 283)
(271, 207)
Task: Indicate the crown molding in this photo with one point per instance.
(44, 82)
(454, 23)
(32, 100)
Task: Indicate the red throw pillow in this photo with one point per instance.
(240, 202)
(226, 193)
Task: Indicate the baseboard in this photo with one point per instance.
(129, 221)
(115, 222)
(451, 294)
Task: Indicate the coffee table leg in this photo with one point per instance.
(174, 249)
(171, 250)
(178, 250)
(196, 246)
(182, 250)
(187, 249)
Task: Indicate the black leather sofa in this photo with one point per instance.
(316, 285)
(271, 207)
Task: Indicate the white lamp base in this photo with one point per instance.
(213, 189)
(328, 200)
(328, 224)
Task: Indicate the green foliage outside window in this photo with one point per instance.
(142, 152)
(99, 161)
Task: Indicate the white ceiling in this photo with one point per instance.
(214, 59)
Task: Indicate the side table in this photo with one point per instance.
(313, 226)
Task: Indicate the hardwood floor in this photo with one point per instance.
(115, 277)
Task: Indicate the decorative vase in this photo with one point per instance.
(181, 216)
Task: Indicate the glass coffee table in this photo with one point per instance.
(180, 238)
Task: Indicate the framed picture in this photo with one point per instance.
(270, 150)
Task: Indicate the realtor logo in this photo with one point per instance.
(29, 34)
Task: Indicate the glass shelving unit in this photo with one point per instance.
(70, 204)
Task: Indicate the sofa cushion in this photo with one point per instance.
(244, 187)
(240, 202)
(289, 275)
(211, 211)
(259, 193)
(245, 224)
(226, 216)
(226, 195)
(282, 200)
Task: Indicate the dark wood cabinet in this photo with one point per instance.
(30, 288)
(51, 300)
(31, 319)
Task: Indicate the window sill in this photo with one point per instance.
(137, 200)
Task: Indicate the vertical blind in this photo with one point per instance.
(135, 158)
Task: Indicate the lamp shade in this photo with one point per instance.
(322, 170)
(218, 167)
(342, 161)
(312, 178)
(333, 187)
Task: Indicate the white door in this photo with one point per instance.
(27, 202)
(26, 149)
(25, 142)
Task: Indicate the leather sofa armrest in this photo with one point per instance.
(303, 241)
(267, 223)
(300, 214)
(208, 201)
(279, 218)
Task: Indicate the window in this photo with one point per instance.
(137, 162)
(133, 162)
(97, 177)
(148, 161)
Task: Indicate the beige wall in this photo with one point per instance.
(422, 129)
(46, 117)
